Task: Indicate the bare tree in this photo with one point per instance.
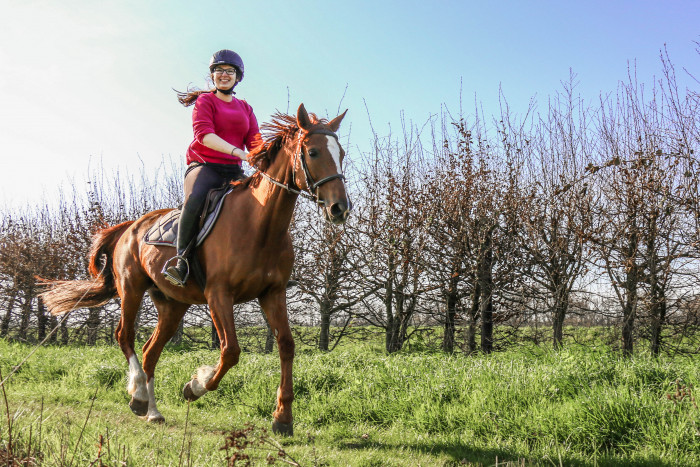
(556, 217)
(394, 237)
(450, 202)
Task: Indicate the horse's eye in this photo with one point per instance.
(313, 153)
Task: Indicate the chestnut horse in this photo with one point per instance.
(248, 255)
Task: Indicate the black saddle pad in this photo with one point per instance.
(164, 232)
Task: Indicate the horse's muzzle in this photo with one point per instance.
(338, 212)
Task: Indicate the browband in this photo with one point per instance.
(321, 131)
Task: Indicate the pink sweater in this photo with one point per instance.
(233, 121)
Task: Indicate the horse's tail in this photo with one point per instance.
(64, 296)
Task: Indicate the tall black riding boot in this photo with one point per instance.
(177, 275)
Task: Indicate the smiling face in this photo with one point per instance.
(224, 76)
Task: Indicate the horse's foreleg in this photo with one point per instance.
(170, 314)
(207, 378)
(274, 304)
(137, 387)
(125, 334)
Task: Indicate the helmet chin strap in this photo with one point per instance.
(228, 92)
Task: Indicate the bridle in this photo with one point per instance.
(310, 183)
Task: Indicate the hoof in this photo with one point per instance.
(140, 408)
(284, 429)
(188, 394)
(158, 418)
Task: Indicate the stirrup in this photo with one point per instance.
(172, 279)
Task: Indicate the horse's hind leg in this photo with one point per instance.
(131, 297)
(170, 314)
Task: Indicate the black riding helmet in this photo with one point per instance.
(227, 57)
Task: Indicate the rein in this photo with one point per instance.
(310, 183)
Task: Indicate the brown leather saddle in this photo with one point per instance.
(164, 232)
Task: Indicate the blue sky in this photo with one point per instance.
(86, 82)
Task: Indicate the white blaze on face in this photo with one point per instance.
(334, 149)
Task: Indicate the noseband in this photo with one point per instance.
(310, 183)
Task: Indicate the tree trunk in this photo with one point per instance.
(395, 343)
(658, 313)
(628, 315)
(406, 316)
(324, 337)
(448, 337)
(53, 322)
(388, 307)
(629, 310)
(5, 324)
(93, 325)
(486, 305)
(657, 309)
(487, 321)
(330, 295)
(561, 305)
(392, 344)
(473, 319)
(558, 326)
(64, 333)
(26, 312)
(42, 319)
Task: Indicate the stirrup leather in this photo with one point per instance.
(172, 279)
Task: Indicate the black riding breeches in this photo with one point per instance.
(199, 179)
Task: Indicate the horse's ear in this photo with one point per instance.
(303, 119)
(335, 123)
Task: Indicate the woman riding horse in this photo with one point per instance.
(222, 125)
(248, 255)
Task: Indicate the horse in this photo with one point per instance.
(248, 255)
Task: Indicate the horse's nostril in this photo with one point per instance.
(339, 210)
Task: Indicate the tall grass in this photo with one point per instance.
(358, 406)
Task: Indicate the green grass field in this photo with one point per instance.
(357, 406)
